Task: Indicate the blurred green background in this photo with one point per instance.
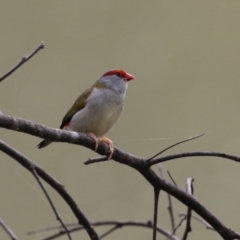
(185, 56)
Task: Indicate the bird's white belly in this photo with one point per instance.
(99, 115)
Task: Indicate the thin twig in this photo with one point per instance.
(34, 172)
(170, 205)
(193, 154)
(155, 214)
(170, 176)
(23, 60)
(8, 230)
(110, 231)
(199, 219)
(175, 144)
(120, 224)
(95, 160)
(178, 226)
(188, 229)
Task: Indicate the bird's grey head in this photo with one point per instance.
(116, 79)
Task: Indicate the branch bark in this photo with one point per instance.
(138, 163)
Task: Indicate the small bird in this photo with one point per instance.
(97, 109)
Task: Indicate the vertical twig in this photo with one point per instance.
(170, 205)
(188, 228)
(156, 198)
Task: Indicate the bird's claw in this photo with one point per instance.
(95, 139)
(103, 139)
(110, 146)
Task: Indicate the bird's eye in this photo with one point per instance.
(118, 74)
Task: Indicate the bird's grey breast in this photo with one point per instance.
(106, 101)
(107, 106)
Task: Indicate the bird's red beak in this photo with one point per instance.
(129, 77)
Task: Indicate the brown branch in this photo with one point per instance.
(25, 162)
(23, 60)
(8, 230)
(138, 163)
(189, 212)
(34, 172)
(116, 225)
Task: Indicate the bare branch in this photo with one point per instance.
(23, 60)
(25, 162)
(155, 212)
(8, 230)
(116, 225)
(139, 164)
(34, 172)
(189, 212)
(95, 160)
(175, 144)
(193, 154)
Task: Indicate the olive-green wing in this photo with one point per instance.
(78, 105)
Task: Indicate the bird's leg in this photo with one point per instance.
(95, 139)
(110, 145)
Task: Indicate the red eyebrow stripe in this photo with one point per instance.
(113, 72)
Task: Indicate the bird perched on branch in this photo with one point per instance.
(97, 109)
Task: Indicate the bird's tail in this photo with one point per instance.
(43, 144)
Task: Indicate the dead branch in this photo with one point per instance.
(138, 163)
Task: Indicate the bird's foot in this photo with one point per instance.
(110, 145)
(95, 139)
